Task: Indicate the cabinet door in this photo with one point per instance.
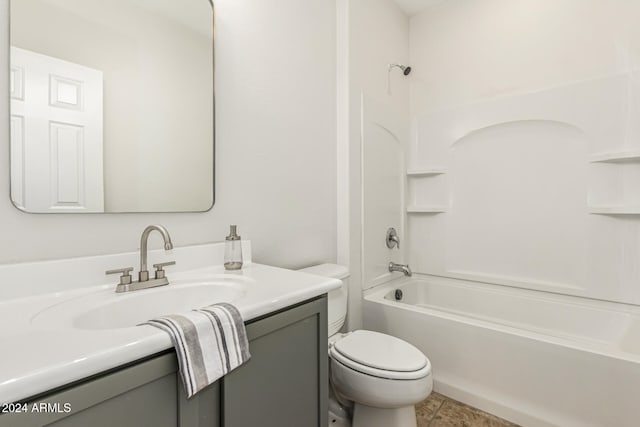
(284, 384)
(153, 404)
(148, 393)
(132, 396)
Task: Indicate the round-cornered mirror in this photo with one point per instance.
(112, 105)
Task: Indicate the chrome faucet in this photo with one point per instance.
(144, 282)
(143, 275)
(403, 268)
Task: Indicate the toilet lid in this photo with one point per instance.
(381, 351)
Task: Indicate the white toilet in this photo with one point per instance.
(382, 376)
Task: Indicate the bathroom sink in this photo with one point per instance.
(106, 309)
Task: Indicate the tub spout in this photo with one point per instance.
(403, 268)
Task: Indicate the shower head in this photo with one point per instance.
(405, 69)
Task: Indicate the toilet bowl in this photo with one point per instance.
(382, 375)
(379, 376)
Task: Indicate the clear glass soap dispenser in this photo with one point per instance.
(233, 251)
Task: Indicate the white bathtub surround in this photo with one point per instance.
(384, 142)
(530, 357)
(524, 164)
(521, 182)
(45, 311)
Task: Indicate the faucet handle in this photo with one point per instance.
(392, 238)
(159, 268)
(125, 278)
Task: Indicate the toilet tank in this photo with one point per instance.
(337, 299)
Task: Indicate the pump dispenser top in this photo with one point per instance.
(233, 235)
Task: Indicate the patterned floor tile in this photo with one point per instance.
(426, 410)
(440, 411)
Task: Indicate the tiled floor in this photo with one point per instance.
(440, 411)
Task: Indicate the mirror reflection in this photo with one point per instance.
(112, 105)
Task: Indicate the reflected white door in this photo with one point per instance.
(56, 134)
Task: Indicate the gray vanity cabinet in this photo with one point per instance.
(284, 384)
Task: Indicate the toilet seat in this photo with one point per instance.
(380, 355)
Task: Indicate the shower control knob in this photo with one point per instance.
(393, 241)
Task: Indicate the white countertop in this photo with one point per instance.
(37, 357)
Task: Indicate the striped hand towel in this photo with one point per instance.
(210, 342)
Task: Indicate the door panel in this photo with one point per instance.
(56, 134)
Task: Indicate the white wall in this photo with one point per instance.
(521, 93)
(378, 34)
(275, 148)
(463, 50)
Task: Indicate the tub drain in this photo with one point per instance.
(398, 295)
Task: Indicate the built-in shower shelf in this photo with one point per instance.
(426, 172)
(615, 210)
(626, 156)
(426, 209)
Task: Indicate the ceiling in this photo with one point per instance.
(413, 7)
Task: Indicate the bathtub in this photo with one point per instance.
(534, 358)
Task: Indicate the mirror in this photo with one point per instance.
(112, 105)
